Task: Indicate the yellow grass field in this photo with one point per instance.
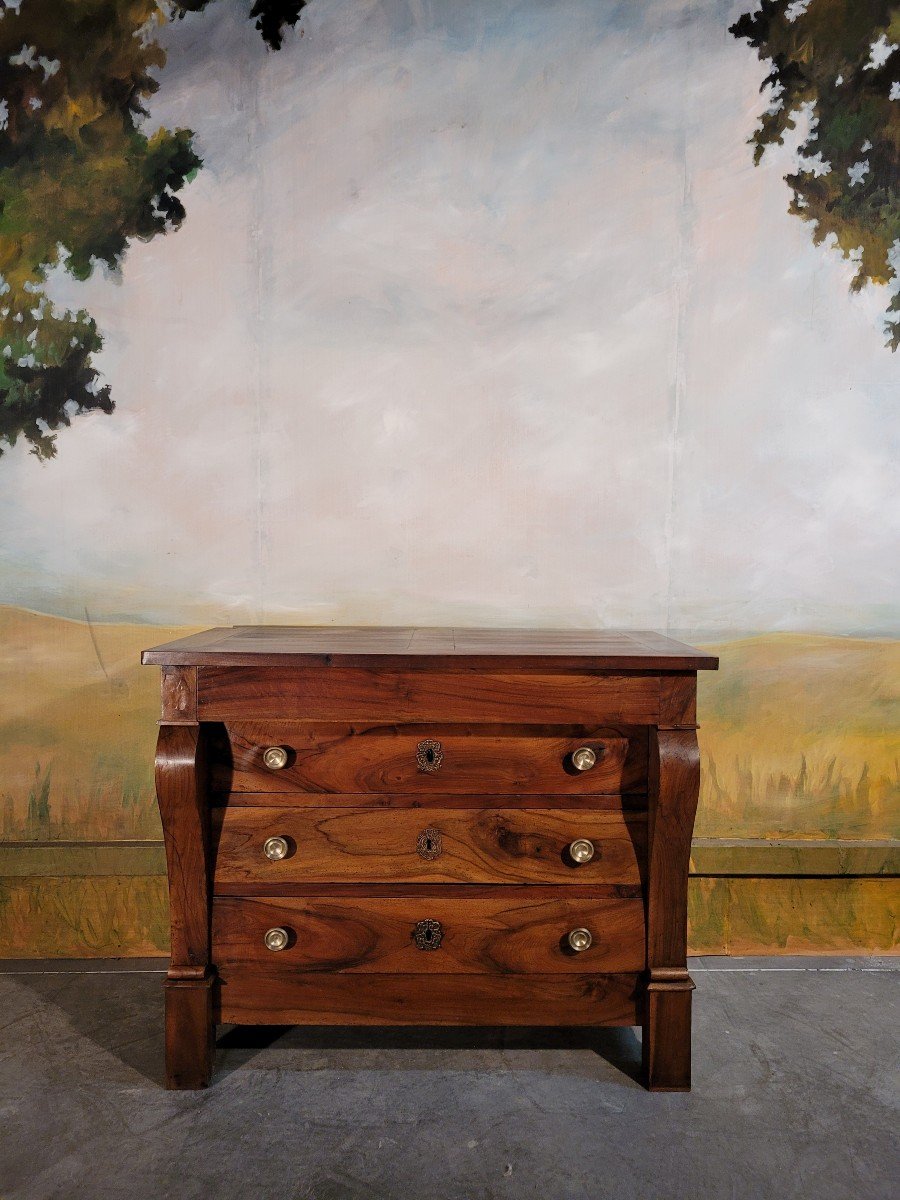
(801, 739)
(77, 729)
(799, 734)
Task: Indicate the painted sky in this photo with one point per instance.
(480, 313)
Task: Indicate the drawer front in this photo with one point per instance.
(328, 758)
(250, 994)
(334, 691)
(262, 847)
(437, 934)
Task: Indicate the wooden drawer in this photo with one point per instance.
(442, 933)
(434, 845)
(380, 689)
(422, 759)
(251, 994)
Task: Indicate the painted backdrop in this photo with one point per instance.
(484, 313)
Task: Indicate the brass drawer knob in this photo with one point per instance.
(581, 850)
(580, 939)
(275, 848)
(277, 938)
(584, 758)
(275, 757)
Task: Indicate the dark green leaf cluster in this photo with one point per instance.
(40, 396)
(81, 177)
(832, 65)
(270, 16)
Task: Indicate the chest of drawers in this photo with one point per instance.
(425, 826)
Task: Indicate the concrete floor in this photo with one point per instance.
(795, 1095)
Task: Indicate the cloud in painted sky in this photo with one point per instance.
(451, 281)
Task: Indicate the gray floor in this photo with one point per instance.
(795, 1095)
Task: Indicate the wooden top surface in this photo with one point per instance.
(271, 645)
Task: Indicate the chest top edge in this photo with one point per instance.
(388, 648)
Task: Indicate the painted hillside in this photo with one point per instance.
(799, 734)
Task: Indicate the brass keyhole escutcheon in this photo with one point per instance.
(429, 755)
(428, 844)
(427, 934)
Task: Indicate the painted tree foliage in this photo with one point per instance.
(837, 62)
(81, 176)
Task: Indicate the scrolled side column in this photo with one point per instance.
(183, 804)
(674, 788)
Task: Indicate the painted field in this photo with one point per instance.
(801, 739)
(799, 745)
(77, 729)
(799, 736)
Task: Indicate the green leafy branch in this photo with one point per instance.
(836, 63)
(80, 178)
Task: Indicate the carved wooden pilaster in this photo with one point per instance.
(178, 695)
(674, 786)
(181, 792)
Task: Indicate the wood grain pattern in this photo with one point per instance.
(178, 695)
(504, 935)
(508, 708)
(336, 691)
(475, 845)
(674, 785)
(190, 1033)
(254, 996)
(666, 1044)
(678, 700)
(325, 758)
(271, 645)
(672, 803)
(630, 802)
(181, 793)
(474, 891)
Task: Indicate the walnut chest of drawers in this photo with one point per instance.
(427, 827)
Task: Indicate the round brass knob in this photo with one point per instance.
(278, 938)
(581, 850)
(275, 848)
(275, 757)
(584, 758)
(580, 939)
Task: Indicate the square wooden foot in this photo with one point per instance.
(666, 1050)
(190, 1033)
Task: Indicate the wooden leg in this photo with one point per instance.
(181, 791)
(666, 1050)
(674, 783)
(190, 1033)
